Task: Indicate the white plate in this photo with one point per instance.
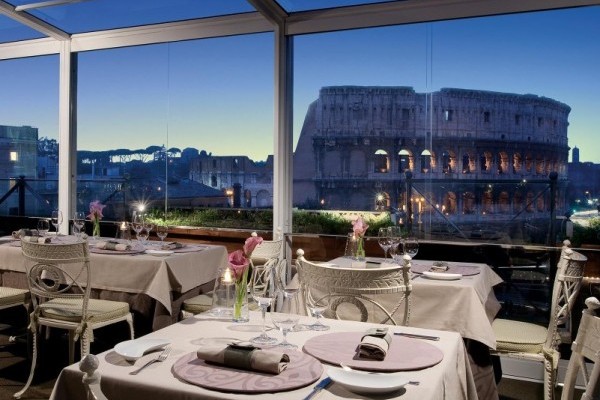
(441, 275)
(160, 252)
(131, 350)
(367, 382)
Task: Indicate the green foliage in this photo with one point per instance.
(589, 234)
(303, 221)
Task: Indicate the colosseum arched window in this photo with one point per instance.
(247, 198)
(539, 165)
(503, 163)
(517, 163)
(446, 165)
(405, 161)
(468, 163)
(468, 203)
(529, 205)
(488, 202)
(449, 203)
(485, 161)
(425, 161)
(518, 202)
(381, 162)
(539, 204)
(528, 162)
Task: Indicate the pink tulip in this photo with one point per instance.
(96, 210)
(250, 244)
(238, 263)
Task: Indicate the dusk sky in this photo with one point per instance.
(217, 94)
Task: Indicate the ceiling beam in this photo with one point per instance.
(270, 10)
(414, 11)
(33, 22)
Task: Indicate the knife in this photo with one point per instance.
(320, 386)
(416, 336)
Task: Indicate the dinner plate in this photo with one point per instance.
(131, 350)
(445, 276)
(159, 253)
(367, 382)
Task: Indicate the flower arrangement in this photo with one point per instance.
(239, 262)
(95, 216)
(359, 228)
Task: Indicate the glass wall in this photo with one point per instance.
(178, 126)
(29, 136)
(456, 130)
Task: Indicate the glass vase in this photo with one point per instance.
(240, 305)
(360, 249)
(96, 229)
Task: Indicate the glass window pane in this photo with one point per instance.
(29, 136)
(178, 126)
(458, 124)
(12, 31)
(305, 5)
(89, 16)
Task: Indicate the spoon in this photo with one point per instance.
(350, 369)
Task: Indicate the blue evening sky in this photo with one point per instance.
(217, 94)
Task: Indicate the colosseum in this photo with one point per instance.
(468, 154)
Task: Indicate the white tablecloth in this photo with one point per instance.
(141, 273)
(450, 379)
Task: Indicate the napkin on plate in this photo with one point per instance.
(35, 239)
(245, 357)
(112, 245)
(171, 246)
(375, 344)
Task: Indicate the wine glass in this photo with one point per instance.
(43, 226)
(142, 236)
(78, 222)
(287, 291)
(317, 304)
(148, 226)
(397, 252)
(137, 223)
(411, 246)
(57, 219)
(263, 294)
(285, 323)
(383, 238)
(162, 231)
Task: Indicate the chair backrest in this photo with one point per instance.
(354, 287)
(58, 271)
(267, 250)
(586, 347)
(567, 283)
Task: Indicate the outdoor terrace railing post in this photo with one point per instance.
(408, 200)
(552, 229)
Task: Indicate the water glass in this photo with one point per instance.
(263, 293)
(57, 219)
(411, 246)
(43, 226)
(383, 238)
(317, 307)
(78, 222)
(162, 231)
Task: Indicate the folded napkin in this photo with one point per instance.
(35, 239)
(25, 232)
(245, 357)
(112, 245)
(439, 267)
(171, 246)
(375, 344)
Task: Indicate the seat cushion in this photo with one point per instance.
(12, 296)
(203, 302)
(517, 336)
(70, 310)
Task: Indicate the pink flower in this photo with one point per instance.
(96, 211)
(359, 227)
(250, 244)
(238, 263)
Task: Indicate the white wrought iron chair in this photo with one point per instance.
(353, 287)
(261, 256)
(524, 340)
(59, 279)
(13, 297)
(585, 347)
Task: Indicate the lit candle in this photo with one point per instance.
(123, 226)
(227, 277)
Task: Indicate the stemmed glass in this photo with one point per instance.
(162, 231)
(43, 226)
(57, 219)
(317, 304)
(263, 293)
(383, 238)
(148, 226)
(411, 246)
(78, 222)
(137, 223)
(288, 292)
(285, 323)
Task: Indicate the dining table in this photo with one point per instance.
(438, 369)
(154, 281)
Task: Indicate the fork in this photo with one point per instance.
(162, 357)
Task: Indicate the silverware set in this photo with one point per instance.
(161, 357)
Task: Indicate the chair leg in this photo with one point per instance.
(85, 342)
(130, 322)
(33, 364)
(549, 379)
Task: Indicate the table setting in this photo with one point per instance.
(211, 358)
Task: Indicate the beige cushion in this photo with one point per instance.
(517, 336)
(70, 310)
(12, 296)
(203, 302)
